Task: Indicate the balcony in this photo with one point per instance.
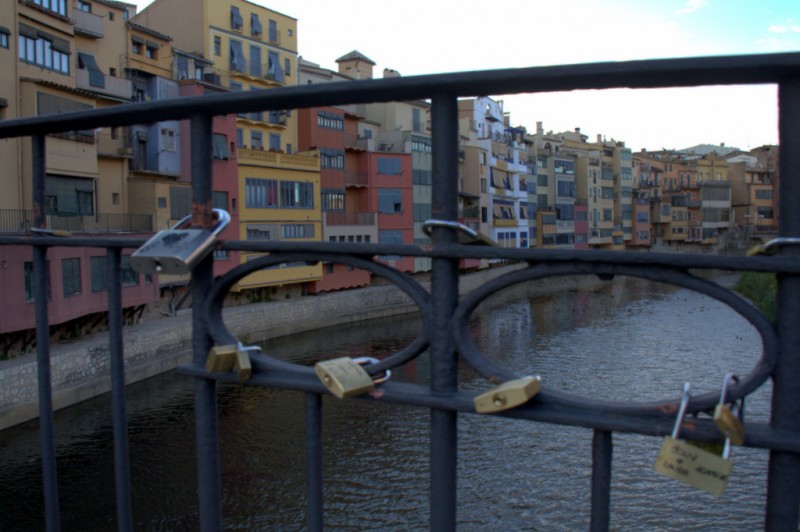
(354, 142)
(20, 221)
(356, 179)
(110, 86)
(350, 218)
(276, 159)
(88, 24)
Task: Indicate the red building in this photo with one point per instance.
(346, 215)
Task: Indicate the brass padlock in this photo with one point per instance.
(508, 395)
(727, 419)
(221, 358)
(689, 464)
(345, 377)
(224, 358)
(176, 251)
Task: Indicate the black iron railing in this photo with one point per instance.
(444, 316)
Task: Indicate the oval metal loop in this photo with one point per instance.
(262, 362)
(222, 216)
(467, 348)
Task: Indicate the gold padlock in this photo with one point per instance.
(727, 420)
(508, 395)
(689, 464)
(221, 358)
(344, 377)
(224, 358)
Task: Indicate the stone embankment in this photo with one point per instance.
(80, 369)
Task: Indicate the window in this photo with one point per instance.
(257, 140)
(416, 121)
(255, 60)
(4, 33)
(255, 25)
(565, 212)
(566, 189)
(390, 200)
(130, 277)
(96, 76)
(29, 283)
(42, 49)
(239, 137)
(99, 270)
(262, 231)
(180, 202)
(330, 120)
(110, 15)
(273, 31)
(237, 60)
(763, 194)
(331, 158)
(287, 67)
(59, 7)
(217, 46)
(220, 200)
(69, 196)
(297, 194)
(389, 166)
(151, 52)
(260, 193)
(333, 199)
(220, 146)
(297, 231)
(86, 7)
(274, 142)
(274, 70)
(166, 139)
(236, 18)
(115, 198)
(390, 236)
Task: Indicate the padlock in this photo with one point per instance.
(345, 377)
(224, 358)
(689, 464)
(176, 251)
(728, 419)
(508, 395)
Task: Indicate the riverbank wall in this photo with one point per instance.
(80, 369)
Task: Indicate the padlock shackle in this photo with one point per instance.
(682, 410)
(223, 220)
(729, 377)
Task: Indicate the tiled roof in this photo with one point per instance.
(355, 55)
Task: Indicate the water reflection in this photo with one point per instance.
(627, 340)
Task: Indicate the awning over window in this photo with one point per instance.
(96, 76)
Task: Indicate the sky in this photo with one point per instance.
(436, 36)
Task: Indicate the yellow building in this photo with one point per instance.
(254, 48)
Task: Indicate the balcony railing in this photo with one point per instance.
(350, 218)
(111, 86)
(88, 24)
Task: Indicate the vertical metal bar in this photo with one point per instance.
(206, 422)
(122, 470)
(314, 461)
(602, 450)
(783, 492)
(41, 294)
(444, 290)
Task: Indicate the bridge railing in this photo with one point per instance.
(444, 315)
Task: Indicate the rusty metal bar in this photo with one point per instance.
(206, 420)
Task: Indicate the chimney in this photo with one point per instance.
(389, 73)
(539, 128)
(578, 130)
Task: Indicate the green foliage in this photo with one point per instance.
(760, 288)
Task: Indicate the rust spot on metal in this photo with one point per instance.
(494, 379)
(667, 408)
(203, 215)
(377, 393)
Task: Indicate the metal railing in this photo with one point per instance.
(444, 330)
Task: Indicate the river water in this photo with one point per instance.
(627, 340)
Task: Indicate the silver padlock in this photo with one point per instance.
(176, 251)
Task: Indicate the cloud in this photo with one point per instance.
(777, 29)
(693, 5)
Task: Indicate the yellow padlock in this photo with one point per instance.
(508, 395)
